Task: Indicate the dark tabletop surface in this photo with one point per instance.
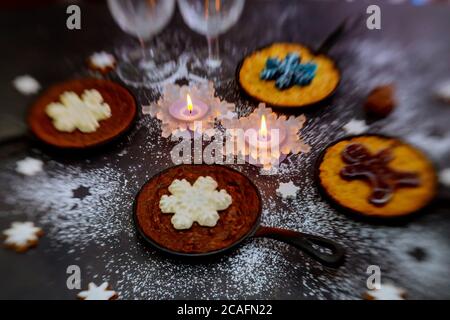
(94, 229)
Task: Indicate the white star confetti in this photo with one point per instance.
(22, 235)
(355, 126)
(386, 292)
(97, 293)
(29, 166)
(287, 190)
(26, 84)
(197, 203)
(102, 60)
(444, 177)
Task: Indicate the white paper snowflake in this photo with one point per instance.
(75, 112)
(29, 166)
(444, 177)
(97, 293)
(22, 235)
(292, 143)
(355, 126)
(194, 203)
(204, 92)
(288, 190)
(387, 291)
(102, 60)
(26, 84)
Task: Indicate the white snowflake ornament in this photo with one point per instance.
(355, 126)
(75, 112)
(29, 166)
(199, 202)
(22, 236)
(387, 291)
(26, 84)
(172, 93)
(287, 190)
(444, 177)
(97, 293)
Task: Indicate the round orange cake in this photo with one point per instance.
(322, 86)
(123, 112)
(354, 194)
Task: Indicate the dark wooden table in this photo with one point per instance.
(92, 227)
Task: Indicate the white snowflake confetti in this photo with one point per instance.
(204, 92)
(355, 126)
(26, 84)
(97, 293)
(102, 60)
(387, 292)
(22, 235)
(29, 166)
(287, 190)
(444, 177)
(197, 203)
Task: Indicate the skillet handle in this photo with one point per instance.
(310, 244)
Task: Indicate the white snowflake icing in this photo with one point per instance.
(21, 235)
(355, 126)
(97, 293)
(29, 166)
(387, 291)
(444, 177)
(26, 84)
(102, 60)
(75, 112)
(287, 190)
(194, 203)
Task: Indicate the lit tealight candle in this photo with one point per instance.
(266, 138)
(188, 110)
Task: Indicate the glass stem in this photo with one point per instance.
(213, 52)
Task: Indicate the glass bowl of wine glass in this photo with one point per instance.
(142, 64)
(212, 18)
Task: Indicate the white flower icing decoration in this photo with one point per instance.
(22, 235)
(75, 112)
(194, 203)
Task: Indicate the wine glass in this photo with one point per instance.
(143, 19)
(212, 18)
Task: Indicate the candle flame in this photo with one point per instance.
(263, 128)
(189, 106)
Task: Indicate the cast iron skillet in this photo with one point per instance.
(395, 220)
(23, 133)
(325, 251)
(323, 49)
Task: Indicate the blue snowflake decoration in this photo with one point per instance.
(289, 71)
